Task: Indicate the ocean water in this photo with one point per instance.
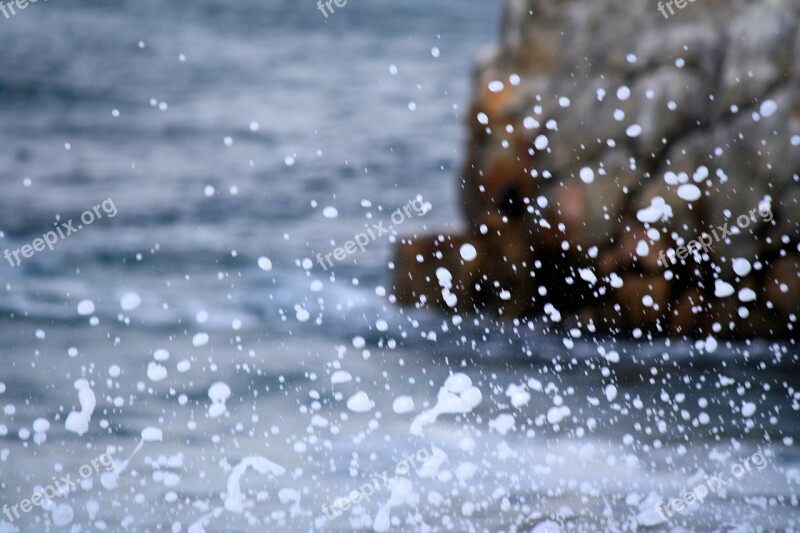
(237, 385)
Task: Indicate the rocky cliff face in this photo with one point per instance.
(629, 169)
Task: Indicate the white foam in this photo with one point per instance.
(689, 192)
(219, 392)
(747, 295)
(85, 307)
(557, 413)
(130, 301)
(722, 289)
(360, 402)
(402, 494)
(403, 405)
(62, 514)
(234, 500)
(611, 392)
(430, 468)
(503, 423)
(110, 480)
(152, 434)
(200, 339)
(264, 264)
(658, 210)
(41, 425)
(518, 395)
(156, 372)
(633, 131)
(457, 396)
(587, 275)
(340, 376)
(468, 252)
(741, 266)
(78, 421)
(768, 108)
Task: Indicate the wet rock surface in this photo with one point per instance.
(606, 140)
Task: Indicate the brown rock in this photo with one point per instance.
(430, 272)
(658, 134)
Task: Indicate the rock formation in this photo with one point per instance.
(605, 140)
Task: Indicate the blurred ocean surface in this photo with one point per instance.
(238, 124)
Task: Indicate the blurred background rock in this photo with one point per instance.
(583, 116)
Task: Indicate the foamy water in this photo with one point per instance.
(241, 388)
